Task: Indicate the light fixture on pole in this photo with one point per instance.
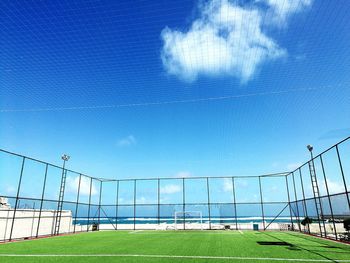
(310, 148)
(65, 158)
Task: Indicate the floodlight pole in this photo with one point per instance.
(316, 191)
(65, 158)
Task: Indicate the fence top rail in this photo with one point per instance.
(199, 177)
(49, 164)
(177, 178)
(320, 154)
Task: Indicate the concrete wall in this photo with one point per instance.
(26, 223)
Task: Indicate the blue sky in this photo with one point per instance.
(166, 89)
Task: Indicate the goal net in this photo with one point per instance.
(188, 220)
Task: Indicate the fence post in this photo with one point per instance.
(17, 196)
(208, 202)
(261, 203)
(234, 201)
(183, 202)
(158, 201)
(342, 174)
(116, 207)
(290, 208)
(296, 201)
(329, 198)
(99, 206)
(304, 199)
(89, 206)
(76, 207)
(42, 200)
(134, 204)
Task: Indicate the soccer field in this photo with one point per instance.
(177, 246)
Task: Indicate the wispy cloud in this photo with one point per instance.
(279, 11)
(333, 187)
(227, 185)
(170, 189)
(127, 141)
(73, 184)
(226, 39)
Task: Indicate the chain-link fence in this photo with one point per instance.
(41, 199)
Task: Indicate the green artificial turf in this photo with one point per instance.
(247, 244)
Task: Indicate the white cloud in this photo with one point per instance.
(127, 141)
(227, 185)
(170, 189)
(280, 10)
(141, 200)
(333, 187)
(241, 183)
(183, 174)
(226, 39)
(73, 183)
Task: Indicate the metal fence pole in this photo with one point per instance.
(183, 202)
(116, 207)
(261, 203)
(234, 201)
(296, 201)
(329, 198)
(89, 206)
(208, 192)
(99, 206)
(42, 200)
(134, 204)
(343, 176)
(158, 201)
(77, 204)
(17, 196)
(290, 208)
(304, 199)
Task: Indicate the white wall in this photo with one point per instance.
(26, 223)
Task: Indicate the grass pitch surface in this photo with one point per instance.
(176, 246)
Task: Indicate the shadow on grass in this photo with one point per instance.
(322, 243)
(299, 247)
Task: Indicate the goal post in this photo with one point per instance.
(188, 220)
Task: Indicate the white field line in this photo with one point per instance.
(136, 231)
(240, 232)
(170, 256)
